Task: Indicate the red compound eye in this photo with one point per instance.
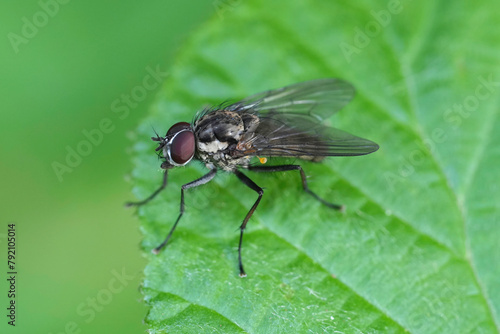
(182, 147)
(177, 127)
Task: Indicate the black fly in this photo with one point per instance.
(284, 122)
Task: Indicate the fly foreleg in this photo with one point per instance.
(202, 180)
(153, 195)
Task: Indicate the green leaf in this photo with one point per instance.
(417, 248)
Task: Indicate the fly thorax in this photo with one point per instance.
(229, 128)
(212, 146)
(218, 130)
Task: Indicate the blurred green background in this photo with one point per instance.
(78, 259)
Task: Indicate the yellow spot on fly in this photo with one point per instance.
(262, 160)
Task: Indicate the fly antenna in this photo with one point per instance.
(157, 138)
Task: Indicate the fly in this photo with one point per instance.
(284, 122)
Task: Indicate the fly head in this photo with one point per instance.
(178, 145)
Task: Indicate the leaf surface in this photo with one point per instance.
(417, 248)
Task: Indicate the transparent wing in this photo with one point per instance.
(317, 98)
(289, 121)
(293, 135)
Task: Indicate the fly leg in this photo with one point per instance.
(202, 180)
(285, 168)
(246, 180)
(153, 195)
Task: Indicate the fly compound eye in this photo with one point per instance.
(182, 147)
(178, 127)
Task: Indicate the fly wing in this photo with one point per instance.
(317, 98)
(289, 121)
(293, 135)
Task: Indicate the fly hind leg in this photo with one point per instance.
(285, 168)
(198, 182)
